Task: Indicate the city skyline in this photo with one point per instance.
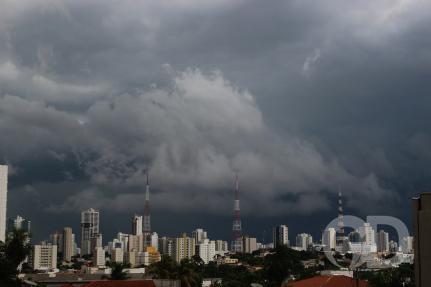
(253, 142)
(138, 224)
(275, 90)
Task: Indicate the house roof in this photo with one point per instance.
(121, 283)
(329, 281)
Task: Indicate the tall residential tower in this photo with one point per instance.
(280, 235)
(89, 229)
(236, 245)
(3, 201)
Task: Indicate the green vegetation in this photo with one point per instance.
(117, 272)
(188, 271)
(270, 270)
(12, 253)
(403, 276)
(282, 264)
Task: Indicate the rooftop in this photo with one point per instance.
(328, 281)
(121, 283)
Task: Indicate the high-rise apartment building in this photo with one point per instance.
(236, 244)
(422, 239)
(280, 235)
(124, 239)
(3, 201)
(43, 257)
(56, 238)
(329, 238)
(206, 250)
(249, 244)
(221, 247)
(304, 241)
(166, 246)
(96, 241)
(183, 247)
(99, 259)
(137, 225)
(89, 229)
(199, 235)
(136, 243)
(367, 234)
(382, 241)
(407, 244)
(155, 241)
(117, 255)
(67, 244)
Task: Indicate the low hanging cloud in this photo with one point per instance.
(193, 136)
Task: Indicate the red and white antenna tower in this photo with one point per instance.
(236, 245)
(147, 214)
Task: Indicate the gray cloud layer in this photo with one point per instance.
(303, 98)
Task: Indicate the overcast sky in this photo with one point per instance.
(302, 98)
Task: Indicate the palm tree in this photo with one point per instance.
(117, 272)
(283, 263)
(188, 275)
(12, 253)
(186, 271)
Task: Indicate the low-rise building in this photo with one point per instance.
(44, 257)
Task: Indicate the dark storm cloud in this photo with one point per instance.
(302, 97)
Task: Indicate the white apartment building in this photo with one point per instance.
(115, 243)
(44, 257)
(303, 241)
(407, 244)
(124, 239)
(199, 235)
(329, 238)
(3, 201)
(221, 247)
(206, 250)
(99, 259)
(155, 240)
(117, 255)
(367, 234)
(137, 225)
